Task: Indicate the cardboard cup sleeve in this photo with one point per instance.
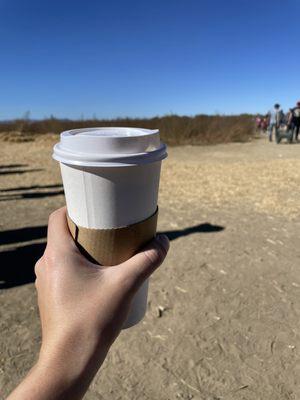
(113, 246)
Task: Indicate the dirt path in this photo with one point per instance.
(230, 286)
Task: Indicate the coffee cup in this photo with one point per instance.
(111, 181)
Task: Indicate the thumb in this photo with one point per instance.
(139, 267)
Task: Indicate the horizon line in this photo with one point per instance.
(95, 118)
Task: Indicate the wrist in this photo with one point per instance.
(70, 363)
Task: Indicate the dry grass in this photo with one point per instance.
(264, 186)
(175, 130)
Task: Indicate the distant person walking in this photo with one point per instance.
(295, 120)
(265, 123)
(258, 121)
(275, 119)
(290, 124)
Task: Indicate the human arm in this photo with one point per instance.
(82, 309)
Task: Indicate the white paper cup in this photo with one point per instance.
(111, 180)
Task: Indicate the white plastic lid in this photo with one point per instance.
(109, 147)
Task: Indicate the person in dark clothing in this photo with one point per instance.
(295, 120)
(289, 125)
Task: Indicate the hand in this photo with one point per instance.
(82, 309)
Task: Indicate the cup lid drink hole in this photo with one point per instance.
(109, 147)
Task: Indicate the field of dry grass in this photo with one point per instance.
(175, 130)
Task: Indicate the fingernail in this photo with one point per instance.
(164, 241)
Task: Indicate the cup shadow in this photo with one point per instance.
(17, 264)
(201, 228)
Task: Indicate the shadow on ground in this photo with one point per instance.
(201, 228)
(34, 187)
(23, 234)
(8, 166)
(37, 195)
(19, 171)
(9, 169)
(30, 192)
(17, 264)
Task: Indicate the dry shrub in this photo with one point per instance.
(175, 130)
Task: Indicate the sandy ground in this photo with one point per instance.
(230, 286)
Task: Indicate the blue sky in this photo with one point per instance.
(143, 58)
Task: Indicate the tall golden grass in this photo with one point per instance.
(175, 130)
